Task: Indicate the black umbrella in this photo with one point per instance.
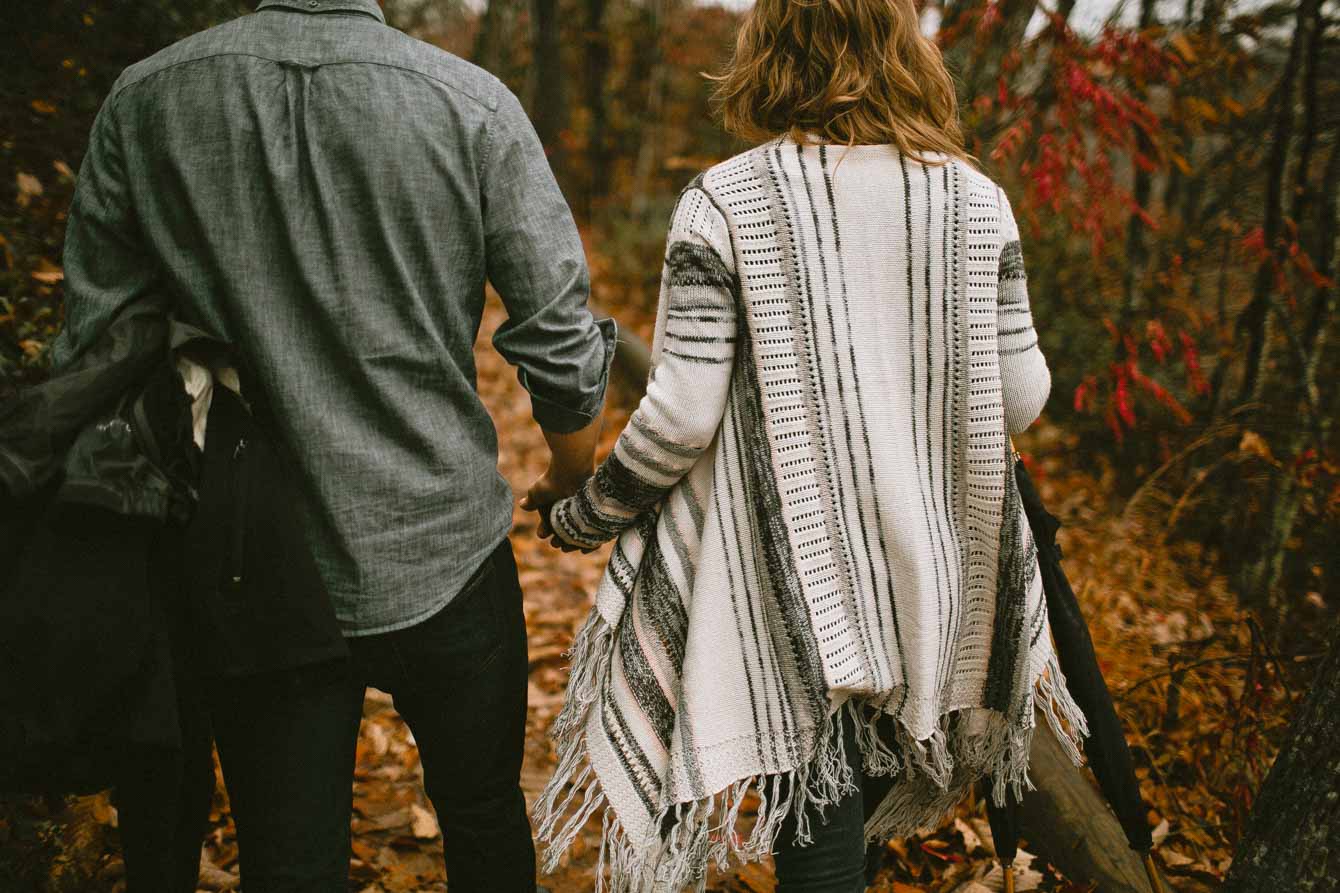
(1109, 757)
(1004, 830)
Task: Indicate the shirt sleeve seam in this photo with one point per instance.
(106, 124)
(487, 154)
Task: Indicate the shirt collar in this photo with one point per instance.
(367, 7)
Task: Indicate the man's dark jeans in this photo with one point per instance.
(287, 740)
(459, 680)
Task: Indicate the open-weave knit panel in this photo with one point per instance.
(785, 361)
(983, 454)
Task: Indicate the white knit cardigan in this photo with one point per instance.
(814, 512)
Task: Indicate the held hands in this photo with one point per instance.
(572, 459)
(544, 493)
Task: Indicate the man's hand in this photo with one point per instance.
(571, 463)
(550, 487)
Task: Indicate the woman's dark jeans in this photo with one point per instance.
(835, 859)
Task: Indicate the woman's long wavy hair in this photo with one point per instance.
(855, 72)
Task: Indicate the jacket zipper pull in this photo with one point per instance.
(239, 511)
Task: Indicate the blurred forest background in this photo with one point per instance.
(1175, 166)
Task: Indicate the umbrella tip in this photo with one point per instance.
(1009, 877)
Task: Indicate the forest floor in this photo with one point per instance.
(1187, 678)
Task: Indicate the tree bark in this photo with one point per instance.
(1291, 837)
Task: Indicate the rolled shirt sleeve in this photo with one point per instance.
(535, 261)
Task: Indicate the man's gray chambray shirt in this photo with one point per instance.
(330, 196)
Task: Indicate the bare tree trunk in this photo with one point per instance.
(548, 108)
(1290, 842)
(1265, 534)
(493, 42)
(596, 70)
(1137, 252)
(645, 165)
(1311, 129)
(658, 72)
(1256, 322)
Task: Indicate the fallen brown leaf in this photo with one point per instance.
(423, 823)
(215, 879)
(29, 188)
(48, 273)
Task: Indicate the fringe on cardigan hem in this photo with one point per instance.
(701, 833)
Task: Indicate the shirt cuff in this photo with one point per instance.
(561, 418)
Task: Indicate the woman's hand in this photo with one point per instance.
(544, 494)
